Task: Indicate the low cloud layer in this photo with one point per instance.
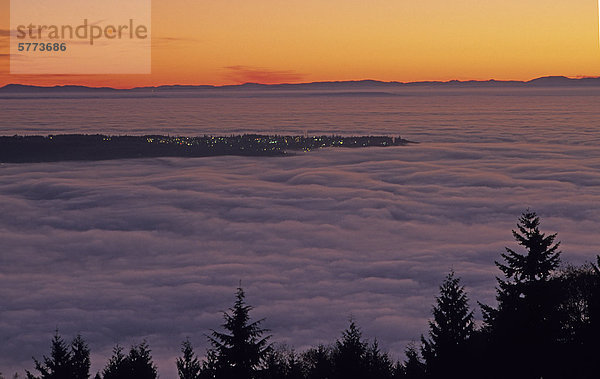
(126, 250)
(153, 249)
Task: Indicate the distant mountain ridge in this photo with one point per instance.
(546, 81)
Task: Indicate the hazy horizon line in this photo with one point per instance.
(290, 84)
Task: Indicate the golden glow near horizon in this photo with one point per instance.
(271, 41)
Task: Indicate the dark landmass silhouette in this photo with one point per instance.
(547, 81)
(84, 147)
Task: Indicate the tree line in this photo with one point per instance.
(546, 325)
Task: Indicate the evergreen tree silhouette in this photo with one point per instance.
(243, 346)
(449, 332)
(282, 363)
(140, 362)
(379, 364)
(294, 369)
(349, 354)
(137, 364)
(592, 290)
(524, 327)
(594, 302)
(318, 363)
(117, 366)
(64, 363)
(541, 256)
(591, 338)
(188, 366)
(275, 365)
(581, 322)
(209, 365)
(80, 358)
(413, 367)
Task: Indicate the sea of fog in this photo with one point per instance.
(153, 249)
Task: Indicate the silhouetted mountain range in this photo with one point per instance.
(548, 81)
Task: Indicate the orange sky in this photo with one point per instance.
(274, 41)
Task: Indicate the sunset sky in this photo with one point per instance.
(273, 41)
